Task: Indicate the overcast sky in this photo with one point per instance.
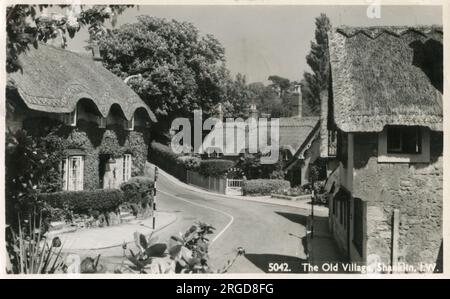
(261, 41)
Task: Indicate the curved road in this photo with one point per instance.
(268, 233)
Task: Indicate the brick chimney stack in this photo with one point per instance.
(219, 111)
(299, 105)
(253, 111)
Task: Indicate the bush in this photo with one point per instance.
(190, 162)
(215, 168)
(264, 186)
(136, 188)
(85, 202)
(293, 191)
(162, 151)
(162, 156)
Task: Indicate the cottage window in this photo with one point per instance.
(405, 140)
(73, 173)
(127, 162)
(403, 144)
(70, 119)
(129, 124)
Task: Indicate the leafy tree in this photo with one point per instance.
(180, 70)
(282, 84)
(318, 60)
(239, 96)
(268, 100)
(31, 167)
(28, 25)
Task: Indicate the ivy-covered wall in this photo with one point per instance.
(93, 141)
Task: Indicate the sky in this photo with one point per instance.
(261, 41)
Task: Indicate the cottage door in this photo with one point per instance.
(113, 175)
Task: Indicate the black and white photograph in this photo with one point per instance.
(247, 137)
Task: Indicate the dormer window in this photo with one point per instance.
(70, 119)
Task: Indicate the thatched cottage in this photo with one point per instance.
(98, 122)
(384, 107)
(298, 142)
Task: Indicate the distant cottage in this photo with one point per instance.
(297, 135)
(382, 120)
(100, 122)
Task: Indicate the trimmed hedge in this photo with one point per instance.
(214, 167)
(190, 162)
(163, 151)
(87, 202)
(136, 188)
(264, 186)
(162, 156)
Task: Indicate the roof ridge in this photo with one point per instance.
(78, 54)
(374, 32)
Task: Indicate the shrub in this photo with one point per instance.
(85, 202)
(136, 188)
(215, 168)
(293, 191)
(162, 156)
(190, 162)
(162, 151)
(263, 186)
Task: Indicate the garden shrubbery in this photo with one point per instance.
(138, 192)
(190, 162)
(294, 191)
(92, 202)
(215, 168)
(136, 188)
(163, 152)
(162, 156)
(264, 186)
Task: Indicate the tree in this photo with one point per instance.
(28, 25)
(31, 167)
(318, 59)
(180, 70)
(238, 97)
(268, 99)
(280, 83)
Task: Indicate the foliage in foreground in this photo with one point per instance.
(30, 253)
(186, 253)
(27, 25)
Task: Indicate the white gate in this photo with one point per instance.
(234, 187)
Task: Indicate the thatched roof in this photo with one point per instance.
(293, 132)
(386, 76)
(54, 80)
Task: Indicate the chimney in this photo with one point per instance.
(219, 111)
(299, 105)
(96, 54)
(253, 111)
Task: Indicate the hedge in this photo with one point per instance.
(264, 186)
(214, 167)
(162, 156)
(87, 202)
(135, 189)
(163, 151)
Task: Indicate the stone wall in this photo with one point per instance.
(414, 189)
